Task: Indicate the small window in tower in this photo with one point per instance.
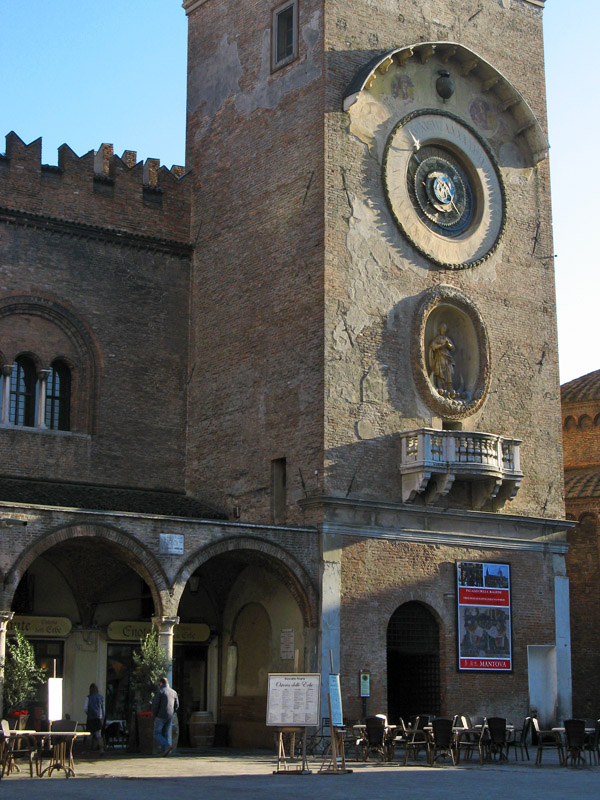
(284, 34)
(22, 392)
(58, 397)
(278, 490)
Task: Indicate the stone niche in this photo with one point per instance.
(450, 353)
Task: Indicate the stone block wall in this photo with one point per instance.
(374, 279)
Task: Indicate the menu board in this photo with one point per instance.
(335, 701)
(294, 700)
(484, 616)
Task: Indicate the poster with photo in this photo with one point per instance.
(484, 616)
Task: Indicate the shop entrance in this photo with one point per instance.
(190, 679)
(413, 662)
(119, 666)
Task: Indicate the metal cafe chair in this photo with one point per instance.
(547, 739)
(417, 738)
(574, 741)
(374, 740)
(441, 740)
(466, 737)
(519, 740)
(10, 753)
(592, 744)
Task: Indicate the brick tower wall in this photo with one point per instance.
(255, 143)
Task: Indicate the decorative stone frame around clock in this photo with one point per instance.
(465, 326)
(465, 166)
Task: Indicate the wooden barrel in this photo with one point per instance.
(202, 729)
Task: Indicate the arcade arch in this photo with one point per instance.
(260, 607)
(67, 591)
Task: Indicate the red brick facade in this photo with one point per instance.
(581, 438)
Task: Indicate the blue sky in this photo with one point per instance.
(86, 72)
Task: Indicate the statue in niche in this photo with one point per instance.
(441, 362)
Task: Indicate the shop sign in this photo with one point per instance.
(484, 616)
(192, 632)
(40, 626)
(124, 631)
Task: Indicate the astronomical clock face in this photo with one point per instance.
(444, 189)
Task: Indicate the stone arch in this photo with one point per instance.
(570, 424)
(588, 518)
(462, 62)
(137, 556)
(85, 359)
(288, 569)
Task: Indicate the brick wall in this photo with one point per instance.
(581, 442)
(255, 141)
(98, 189)
(116, 310)
(379, 576)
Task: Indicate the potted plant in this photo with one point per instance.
(150, 664)
(22, 677)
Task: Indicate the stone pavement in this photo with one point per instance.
(223, 774)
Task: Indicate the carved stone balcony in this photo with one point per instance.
(432, 460)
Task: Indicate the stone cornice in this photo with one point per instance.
(192, 5)
(433, 526)
(545, 544)
(29, 510)
(11, 216)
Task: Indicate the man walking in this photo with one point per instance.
(164, 705)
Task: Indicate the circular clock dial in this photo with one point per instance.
(444, 189)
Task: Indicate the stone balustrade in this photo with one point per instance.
(432, 460)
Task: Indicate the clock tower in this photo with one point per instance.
(373, 333)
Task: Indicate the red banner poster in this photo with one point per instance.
(484, 617)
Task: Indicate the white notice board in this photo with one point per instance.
(294, 700)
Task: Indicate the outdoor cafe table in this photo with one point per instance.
(62, 749)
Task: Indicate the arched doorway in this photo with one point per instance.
(413, 662)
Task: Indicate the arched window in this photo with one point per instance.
(22, 392)
(58, 397)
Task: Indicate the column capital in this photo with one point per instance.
(165, 625)
(6, 370)
(5, 618)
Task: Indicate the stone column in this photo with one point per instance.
(330, 612)
(5, 618)
(6, 373)
(164, 626)
(562, 623)
(40, 417)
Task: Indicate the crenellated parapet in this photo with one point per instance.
(97, 189)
